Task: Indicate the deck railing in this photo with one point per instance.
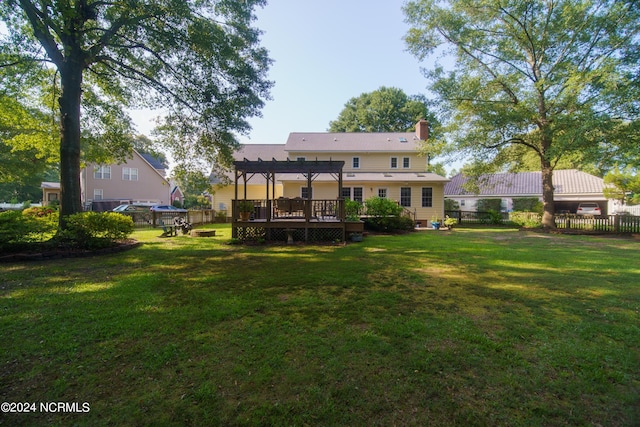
(292, 208)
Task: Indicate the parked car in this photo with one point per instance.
(129, 208)
(166, 208)
(588, 209)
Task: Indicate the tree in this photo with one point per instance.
(383, 110)
(556, 78)
(623, 185)
(390, 110)
(199, 60)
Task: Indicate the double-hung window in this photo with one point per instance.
(405, 196)
(406, 162)
(357, 194)
(129, 174)
(394, 163)
(427, 197)
(355, 163)
(102, 172)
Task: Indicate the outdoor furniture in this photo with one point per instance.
(168, 230)
(288, 206)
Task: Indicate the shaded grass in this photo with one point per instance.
(474, 327)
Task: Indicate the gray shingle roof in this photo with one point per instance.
(523, 184)
(319, 142)
(262, 151)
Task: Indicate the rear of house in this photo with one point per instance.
(386, 165)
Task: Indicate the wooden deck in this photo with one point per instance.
(306, 220)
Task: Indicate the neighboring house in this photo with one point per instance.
(376, 164)
(571, 187)
(176, 193)
(106, 186)
(50, 192)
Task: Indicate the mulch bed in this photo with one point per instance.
(37, 253)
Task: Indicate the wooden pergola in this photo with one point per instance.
(309, 169)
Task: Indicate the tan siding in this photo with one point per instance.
(371, 162)
(223, 196)
(150, 186)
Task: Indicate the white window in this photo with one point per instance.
(356, 163)
(97, 194)
(406, 162)
(129, 174)
(382, 193)
(102, 172)
(394, 163)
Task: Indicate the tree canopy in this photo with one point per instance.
(555, 78)
(386, 109)
(623, 185)
(389, 109)
(198, 60)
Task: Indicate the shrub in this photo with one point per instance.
(384, 215)
(352, 209)
(95, 229)
(527, 204)
(450, 222)
(487, 205)
(526, 219)
(42, 222)
(13, 228)
(491, 217)
(451, 205)
(19, 228)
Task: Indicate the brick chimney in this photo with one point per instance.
(422, 130)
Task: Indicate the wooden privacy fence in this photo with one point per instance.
(604, 223)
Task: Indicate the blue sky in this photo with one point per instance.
(325, 53)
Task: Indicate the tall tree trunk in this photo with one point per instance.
(71, 93)
(549, 212)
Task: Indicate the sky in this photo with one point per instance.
(325, 53)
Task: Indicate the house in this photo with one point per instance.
(104, 187)
(386, 165)
(571, 187)
(223, 189)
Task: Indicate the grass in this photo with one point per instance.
(473, 327)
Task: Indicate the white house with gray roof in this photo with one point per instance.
(571, 187)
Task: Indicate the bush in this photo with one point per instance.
(19, 228)
(451, 205)
(384, 215)
(491, 217)
(96, 229)
(526, 219)
(486, 205)
(352, 209)
(527, 204)
(13, 228)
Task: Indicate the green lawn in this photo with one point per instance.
(473, 327)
